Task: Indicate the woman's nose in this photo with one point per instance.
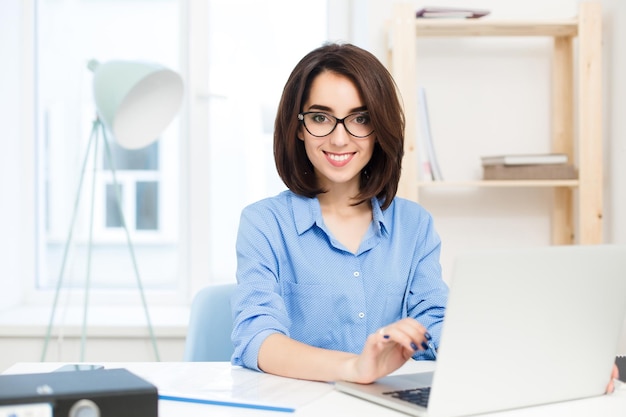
(340, 136)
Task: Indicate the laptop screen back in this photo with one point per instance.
(529, 326)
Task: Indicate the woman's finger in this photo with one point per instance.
(408, 333)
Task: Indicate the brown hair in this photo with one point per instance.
(377, 89)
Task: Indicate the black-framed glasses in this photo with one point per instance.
(320, 124)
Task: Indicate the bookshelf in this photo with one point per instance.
(577, 132)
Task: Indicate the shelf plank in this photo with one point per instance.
(487, 27)
(590, 124)
(499, 183)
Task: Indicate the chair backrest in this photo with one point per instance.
(210, 325)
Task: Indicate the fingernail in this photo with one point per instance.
(386, 336)
(425, 345)
(414, 346)
(427, 336)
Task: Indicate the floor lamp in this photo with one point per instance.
(135, 102)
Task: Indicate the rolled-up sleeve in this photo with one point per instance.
(427, 294)
(257, 307)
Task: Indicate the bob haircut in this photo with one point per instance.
(378, 91)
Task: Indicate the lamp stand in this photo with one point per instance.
(97, 127)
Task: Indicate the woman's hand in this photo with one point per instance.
(614, 375)
(387, 350)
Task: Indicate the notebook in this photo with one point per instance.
(523, 327)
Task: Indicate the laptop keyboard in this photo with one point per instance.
(418, 396)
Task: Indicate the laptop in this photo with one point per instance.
(523, 327)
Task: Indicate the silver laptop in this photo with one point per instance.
(523, 327)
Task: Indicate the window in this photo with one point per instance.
(68, 35)
(182, 195)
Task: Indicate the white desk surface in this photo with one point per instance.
(323, 400)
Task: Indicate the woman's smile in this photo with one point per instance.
(339, 159)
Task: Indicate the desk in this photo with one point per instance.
(323, 401)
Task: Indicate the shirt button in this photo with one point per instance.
(356, 273)
(361, 315)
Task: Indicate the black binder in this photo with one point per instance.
(115, 392)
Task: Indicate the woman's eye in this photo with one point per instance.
(319, 118)
(362, 119)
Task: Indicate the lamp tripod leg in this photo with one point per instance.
(130, 244)
(68, 241)
(83, 340)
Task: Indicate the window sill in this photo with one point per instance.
(102, 321)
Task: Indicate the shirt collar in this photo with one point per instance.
(307, 212)
(379, 217)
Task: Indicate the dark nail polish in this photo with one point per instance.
(425, 345)
(386, 336)
(414, 346)
(427, 336)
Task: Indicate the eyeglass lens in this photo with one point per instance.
(321, 124)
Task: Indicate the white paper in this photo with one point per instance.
(221, 382)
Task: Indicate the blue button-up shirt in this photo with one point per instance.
(295, 278)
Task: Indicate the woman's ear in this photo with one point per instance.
(300, 134)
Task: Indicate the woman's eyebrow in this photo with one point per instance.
(320, 108)
(359, 109)
(327, 109)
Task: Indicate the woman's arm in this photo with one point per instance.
(281, 355)
(384, 352)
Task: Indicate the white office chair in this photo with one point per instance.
(210, 325)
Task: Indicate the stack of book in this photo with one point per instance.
(550, 166)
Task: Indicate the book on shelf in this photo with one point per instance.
(526, 159)
(426, 173)
(426, 148)
(530, 172)
(450, 12)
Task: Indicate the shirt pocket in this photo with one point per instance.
(311, 310)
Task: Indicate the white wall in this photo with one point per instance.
(112, 335)
(98, 349)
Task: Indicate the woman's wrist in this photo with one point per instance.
(348, 369)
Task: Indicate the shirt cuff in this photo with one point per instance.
(250, 356)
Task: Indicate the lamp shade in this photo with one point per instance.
(136, 101)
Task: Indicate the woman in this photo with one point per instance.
(339, 279)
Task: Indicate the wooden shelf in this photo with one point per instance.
(486, 27)
(500, 184)
(575, 132)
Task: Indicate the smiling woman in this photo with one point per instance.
(338, 240)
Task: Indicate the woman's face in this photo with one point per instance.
(339, 157)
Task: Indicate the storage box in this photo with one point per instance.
(530, 172)
(104, 393)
